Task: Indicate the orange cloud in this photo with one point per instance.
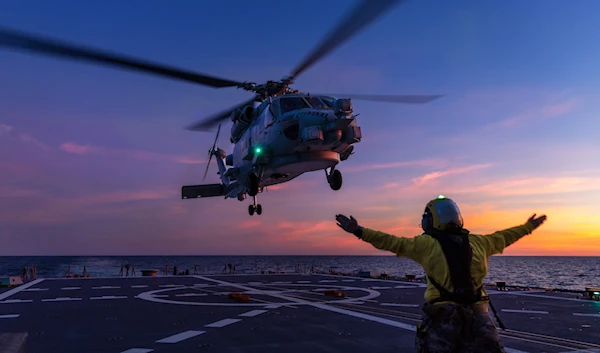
(534, 186)
(427, 185)
(436, 175)
(294, 184)
(398, 164)
(74, 148)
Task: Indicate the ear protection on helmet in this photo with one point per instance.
(427, 220)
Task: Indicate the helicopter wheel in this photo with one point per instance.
(251, 210)
(335, 180)
(258, 209)
(252, 185)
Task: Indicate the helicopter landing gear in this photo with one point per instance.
(253, 182)
(334, 178)
(254, 208)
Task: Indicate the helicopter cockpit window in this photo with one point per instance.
(316, 103)
(328, 101)
(292, 103)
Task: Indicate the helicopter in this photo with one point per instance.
(279, 133)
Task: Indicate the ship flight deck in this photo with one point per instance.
(283, 313)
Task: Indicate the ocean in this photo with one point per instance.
(552, 272)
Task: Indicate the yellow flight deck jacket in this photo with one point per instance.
(426, 251)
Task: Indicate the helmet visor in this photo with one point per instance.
(447, 212)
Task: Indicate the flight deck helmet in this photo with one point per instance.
(441, 214)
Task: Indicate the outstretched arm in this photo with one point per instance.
(496, 243)
(408, 247)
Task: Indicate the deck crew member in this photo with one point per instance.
(455, 317)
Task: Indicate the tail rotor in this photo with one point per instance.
(211, 152)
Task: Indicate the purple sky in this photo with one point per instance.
(92, 158)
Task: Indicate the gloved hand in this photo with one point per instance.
(350, 225)
(536, 222)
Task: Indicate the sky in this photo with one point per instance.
(92, 158)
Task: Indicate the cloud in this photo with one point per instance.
(417, 185)
(128, 196)
(541, 113)
(5, 129)
(74, 148)
(397, 164)
(419, 181)
(37, 207)
(18, 192)
(532, 186)
(9, 131)
(79, 149)
(293, 184)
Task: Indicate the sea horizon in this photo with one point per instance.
(552, 272)
(277, 255)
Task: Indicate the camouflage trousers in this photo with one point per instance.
(455, 328)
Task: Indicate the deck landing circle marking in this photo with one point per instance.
(149, 296)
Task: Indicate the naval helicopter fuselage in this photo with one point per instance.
(280, 139)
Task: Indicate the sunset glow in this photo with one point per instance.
(92, 159)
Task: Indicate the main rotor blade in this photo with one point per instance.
(409, 99)
(21, 41)
(362, 15)
(206, 124)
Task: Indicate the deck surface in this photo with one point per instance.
(286, 313)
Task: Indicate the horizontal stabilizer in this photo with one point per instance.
(206, 190)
